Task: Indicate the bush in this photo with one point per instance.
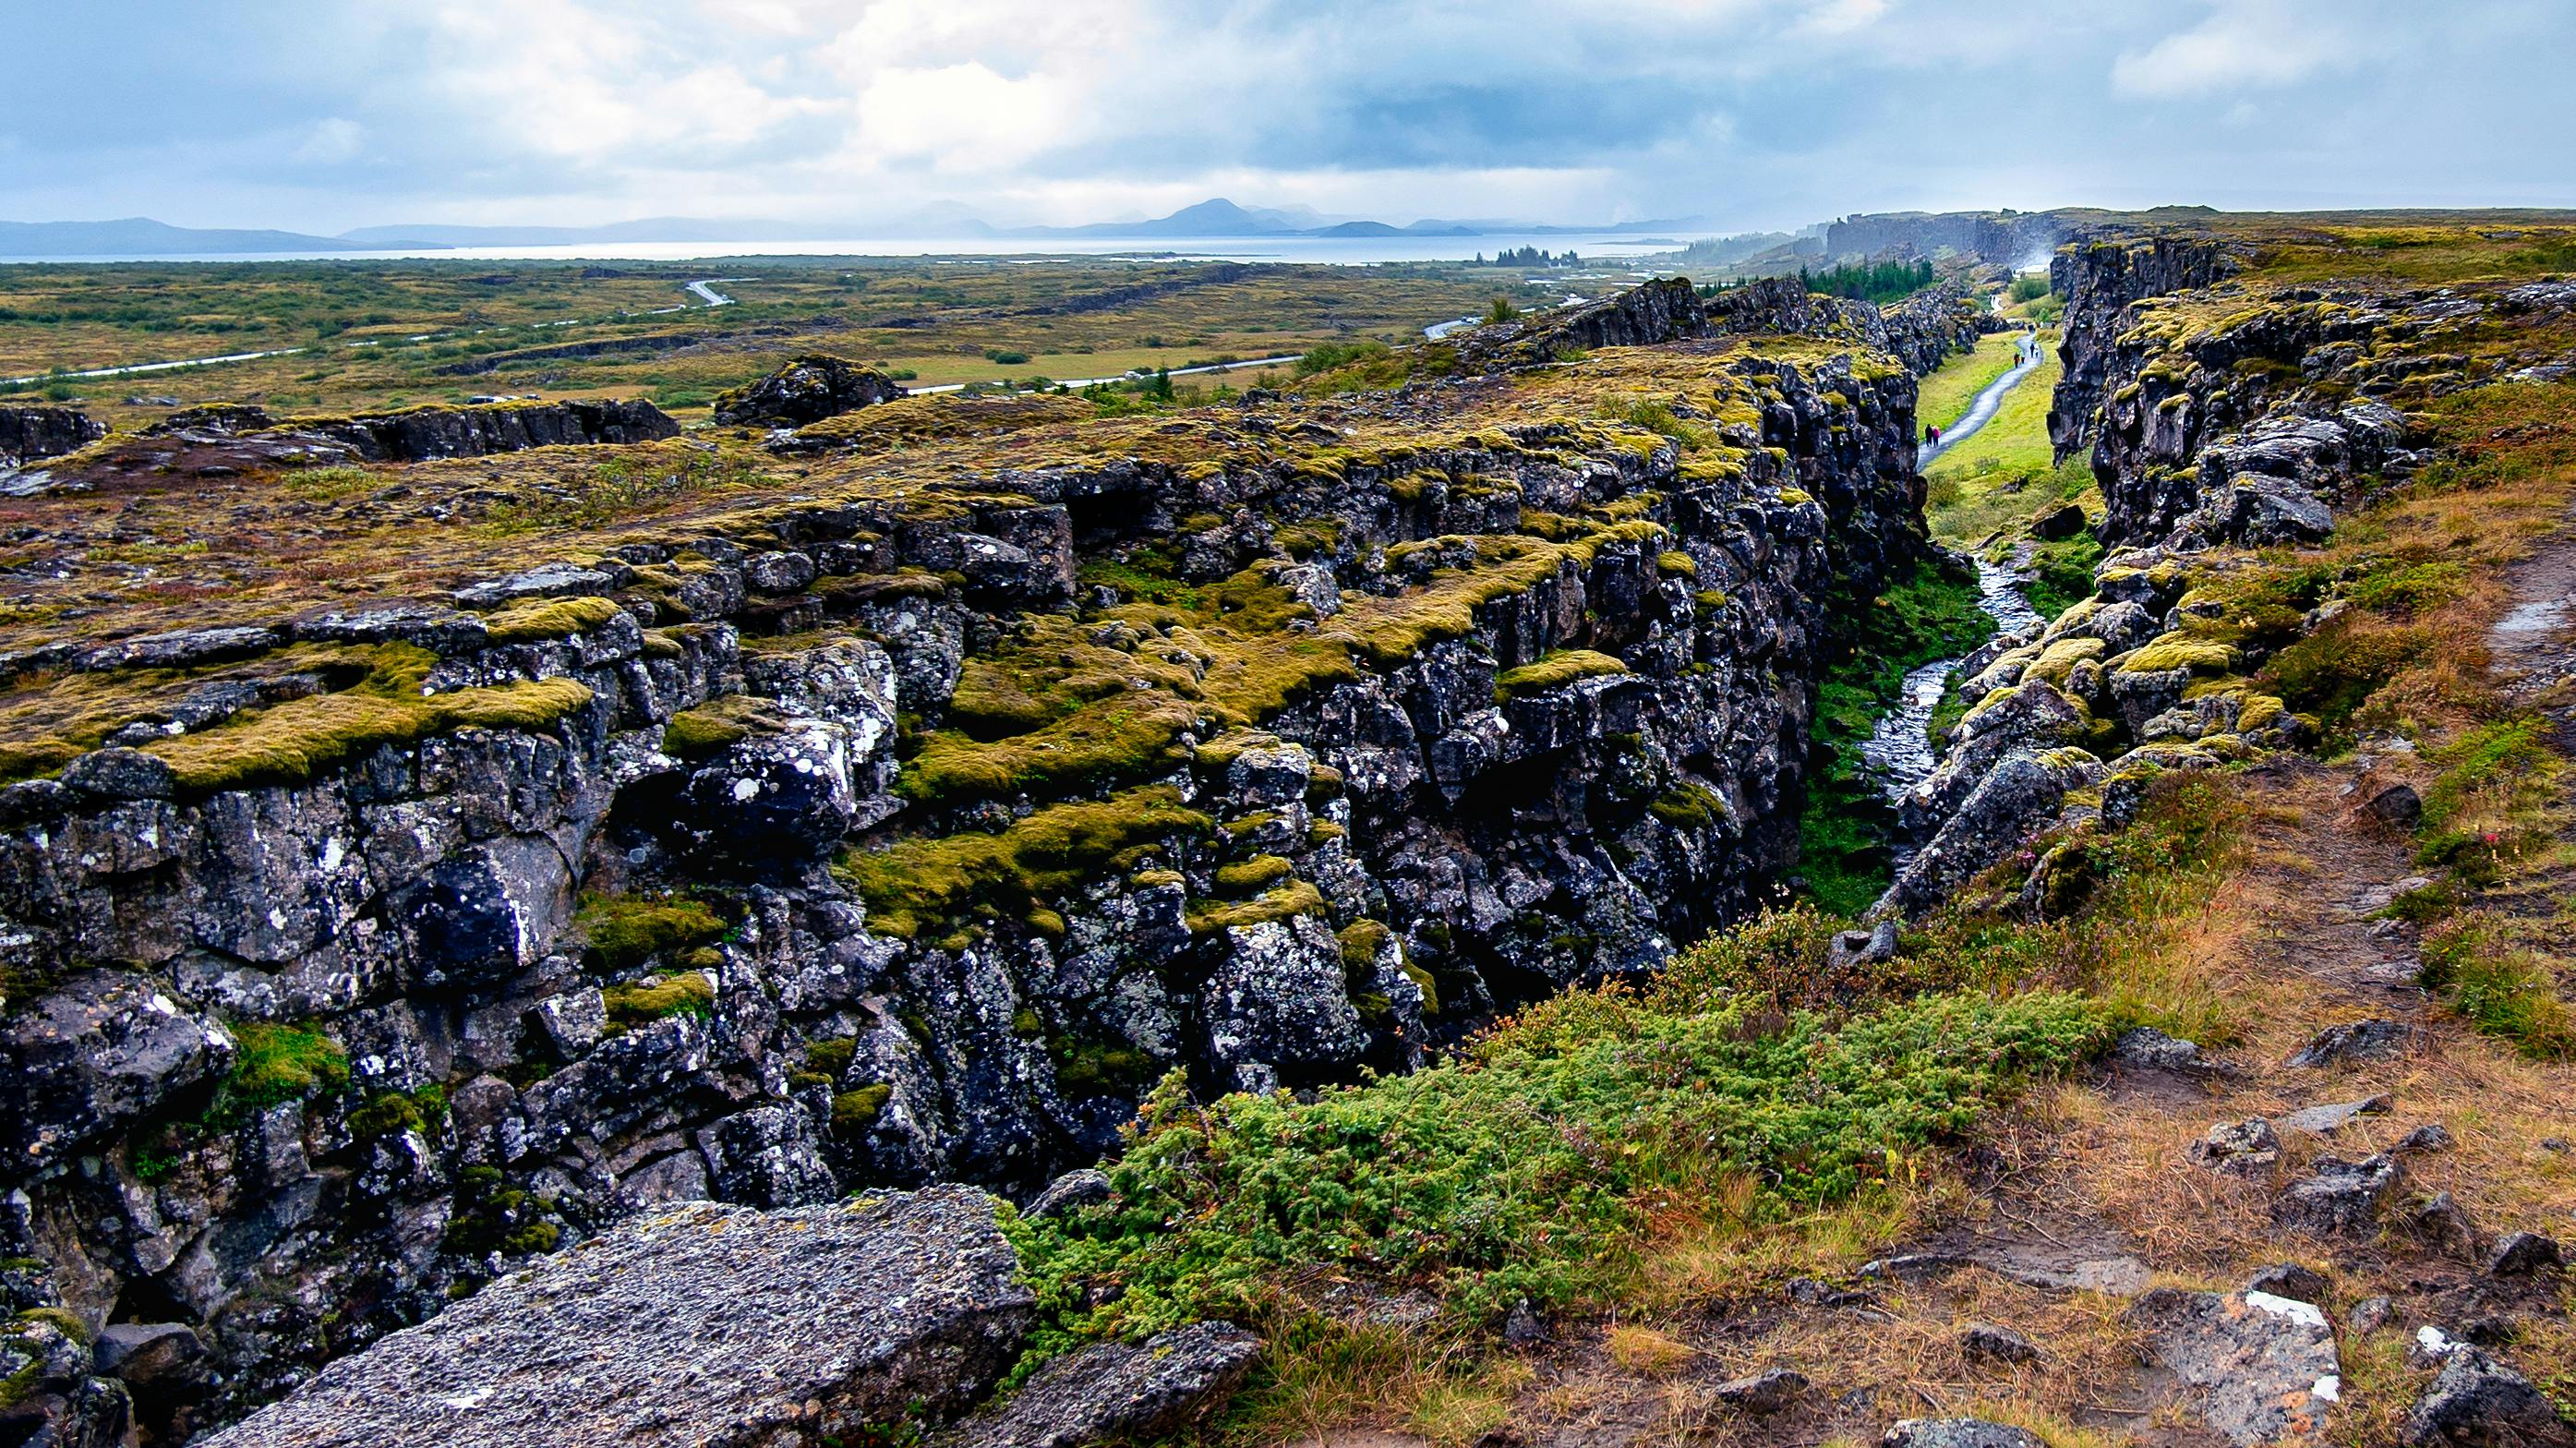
(1525, 1169)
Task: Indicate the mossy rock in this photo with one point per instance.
(1555, 671)
(681, 993)
(622, 932)
(553, 618)
(857, 1109)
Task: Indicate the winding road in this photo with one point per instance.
(1983, 409)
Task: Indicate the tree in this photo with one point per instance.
(1502, 310)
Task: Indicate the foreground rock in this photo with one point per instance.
(807, 389)
(707, 1325)
(1116, 1392)
(2264, 1366)
(2478, 1400)
(1958, 1433)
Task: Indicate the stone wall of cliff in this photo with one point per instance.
(900, 838)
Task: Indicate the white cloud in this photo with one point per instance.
(332, 140)
(2241, 44)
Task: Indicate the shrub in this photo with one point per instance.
(1525, 1169)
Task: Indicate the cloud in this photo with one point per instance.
(2243, 43)
(333, 140)
(1756, 112)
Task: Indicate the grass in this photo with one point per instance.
(1944, 396)
(2015, 441)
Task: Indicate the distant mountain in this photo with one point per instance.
(1213, 219)
(142, 236)
(1219, 217)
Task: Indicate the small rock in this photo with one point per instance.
(2368, 1040)
(2342, 1198)
(2521, 1254)
(1809, 1292)
(121, 774)
(1523, 1327)
(1985, 1340)
(1765, 1392)
(2478, 1400)
(154, 1354)
(2431, 1136)
(2431, 1347)
(2244, 1147)
(2058, 523)
(2399, 807)
(2147, 1048)
(2444, 1224)
(2556, 1143)
(2290, 1280)
(2371, 1314)
(1082, 1187)
(1914, 1266)
(1118, 1392)
(1861, 947)
(2327, 1120)
(2494, 1329)
(1957, 1433)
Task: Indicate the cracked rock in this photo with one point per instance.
(2264, 1366)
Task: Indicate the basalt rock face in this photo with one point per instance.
(771, 860)
(807, 389)
(31, 433)
(2007, 239)
(232, 440)
(2101, 277)
(1919, 331)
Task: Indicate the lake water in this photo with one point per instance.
(1326, 250)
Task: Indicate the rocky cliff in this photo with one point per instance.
(901, 829)
(30, 433)
(2005, 238)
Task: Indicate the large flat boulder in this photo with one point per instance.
(707, 1325)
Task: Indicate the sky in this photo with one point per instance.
(324, 115)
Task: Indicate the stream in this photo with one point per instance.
(1899, 753)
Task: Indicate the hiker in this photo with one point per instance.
(1936, 435)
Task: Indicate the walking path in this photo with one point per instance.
(1982, 411)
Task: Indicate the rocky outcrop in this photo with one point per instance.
(1115, 1392)
(740, 862)
(2005, 238)
(2101, 277)
(30, 434)
(232, 440)
(708, 1325)
(806, 389)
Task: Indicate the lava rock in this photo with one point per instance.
(2444, 1224)
(708, 1324)
(2064, 521)
(1118, 1392)
(2265, 1366)
(1957, 1433)
(2290, 1280)
(2371, 1314)
(2521, 1254)
(2244, 1147)
(1763, 1393)
(2327, 1120)
(2341, 1198)
(30, 433)
(1997, 1344)
(2477, 1400)
(806, 390)
(92, 1056)
(2369, 1040)
(2399, 807)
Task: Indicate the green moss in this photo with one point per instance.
(917, 883)
(553, 618)
(622, 932)
(682, 993)
(1691, 807)
(1098, 1068)
(1361, 941)
(830, 1058)
(2180, 651)
(277, 1064)
(393, 1113)
(1297, 897)
(1258, 873)
(857, 1109)
(717, 725)
(1677, 563)
(1555, 671)
(296, 741)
